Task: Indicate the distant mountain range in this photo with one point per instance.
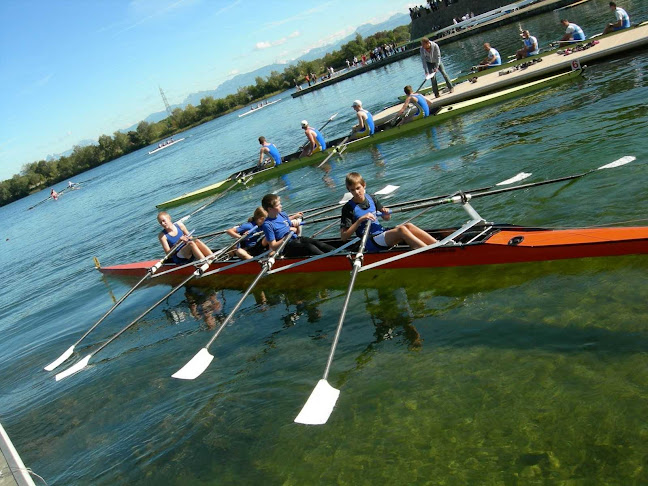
(232, 85)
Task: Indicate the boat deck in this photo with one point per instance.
(608, 46)
(12, 470)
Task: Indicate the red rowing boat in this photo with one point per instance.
(479, 243)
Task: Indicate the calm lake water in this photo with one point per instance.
(528, 374)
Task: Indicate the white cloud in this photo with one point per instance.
(294, 34)
(266, 45)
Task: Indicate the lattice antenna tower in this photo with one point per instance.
(166, 102)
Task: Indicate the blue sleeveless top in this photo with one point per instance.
(274, 153)
(174, 239)
(376, 228)
(370, 122)
(422, 103)
(319, 137)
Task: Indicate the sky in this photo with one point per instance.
(72, 70)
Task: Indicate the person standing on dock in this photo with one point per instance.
(573, 32)
(271, 150)
(530, 46)
(622, 19)
(316, 142)
(419, 101)
(492, 58)
(365, 125)
(431, 59)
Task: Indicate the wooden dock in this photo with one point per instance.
(608, 46)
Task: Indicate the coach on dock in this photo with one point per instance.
(431, 58)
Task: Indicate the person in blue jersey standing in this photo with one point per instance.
(268, 149)
(316, 142)
(622, 19)
(361, 210)
(278, 224)
(492, 58)
(365, 125)
(420, 103)
(191, 249)
(572, 33)
(431, 59)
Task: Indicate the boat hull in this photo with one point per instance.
(165, 146)
(385, 132)
(503, 244)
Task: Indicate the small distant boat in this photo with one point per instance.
(167, 144)
(256, 108)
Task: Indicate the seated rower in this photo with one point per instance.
(253, 245)
(530, 46)
(172, 233)
(365, 125)
(421, 104)
(492, 58)
(573, 33)
(622, 19)
(271, 150)
(316, 142)
(53, 194)
(278, 224)
(362, 208)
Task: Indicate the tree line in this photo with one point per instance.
(43, 173)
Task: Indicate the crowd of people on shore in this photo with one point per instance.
(432, 6)
(377, 54)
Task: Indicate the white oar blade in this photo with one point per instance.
(387, 190)
(74, 369)
(194, 368)
(55, 364)
(347, 197)
(319, 406)
(622, 161)
(517, 178)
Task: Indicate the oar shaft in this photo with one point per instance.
(113, 308)
(143, 314)
(267, 266)
(354, 273)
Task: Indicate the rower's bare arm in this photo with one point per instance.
(185, 231)
(232, 232)
(164, 242)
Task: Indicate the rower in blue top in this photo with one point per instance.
(278, 224)
(362, 208)
(316, 142)
(191, 249)
(253, 245)
(492, 58)
(365, 125)
(271, 150)
(421, 105)
(622, 19)
(573, 32)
